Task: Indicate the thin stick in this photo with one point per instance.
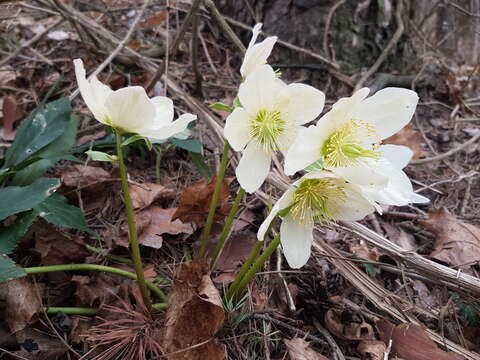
(334, 8)
(393, 41)
(194, 52)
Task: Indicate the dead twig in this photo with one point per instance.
(194, 52)
(326, 48)
(393, 41)
(337, 352)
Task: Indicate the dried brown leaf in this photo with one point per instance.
(372, 350)
(100, 288)
(195, 313)
(361, 250)
(410, 137)
(405, 240)
(7, 75)
(36, 345)
(410, 341)
(236, 251)
(299, 349)
(12, 112)
(155, 20)
(347, 330)
(22, 302)
(89, 178)
(195, 202)
(91, 137)
(145, 194)
(457, 243)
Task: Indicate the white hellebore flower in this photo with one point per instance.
(269, 120)
(256, 54)
(129, 109)
(319, 196)
(350, 132)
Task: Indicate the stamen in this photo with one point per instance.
(343, 147)
(314, 199)
(266, 127)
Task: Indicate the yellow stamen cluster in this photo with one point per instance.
(314, 199)
(266, 127)
(344, 146)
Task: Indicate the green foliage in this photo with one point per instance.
(9, 271)
(221, 106)
(316, 166)
(101, 156)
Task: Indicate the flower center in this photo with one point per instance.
(266, 127)
(314, 199)
(344, 147)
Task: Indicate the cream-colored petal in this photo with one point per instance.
(172, 128)
(237, 129)
(304, 151)
(343, 110)
(163, 111)
(260, 90)
(284, 202)
(397, 155)
(253, 168)
(389, 110)
(256, 54)
(130, 110)
(300, 103)
(296, 239)
(355, 207)
(93, 92)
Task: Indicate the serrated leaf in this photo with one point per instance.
(56, 210)
(316, 166)
(11, 235)
(9, 271)
(202, 166)
(38, 130)
(15, 199)
(101, 156)
(192, 145)
(221, 106)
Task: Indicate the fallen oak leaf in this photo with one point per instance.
(299, 349)
(145, 194)
(411, 342)
(457, 243)
(410, 137)
(87, 178)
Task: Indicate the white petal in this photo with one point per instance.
(237, 129)
(253, 168)
(344, 108)
(260, 90)
(397, 155)
(363, 174)
(419, 199)
(282, 203)
(163, 110)
(255, 32)
(94, 93)
(304, 151)
(296, 241)
(389, 110)
(130, 109)
(355, 207)
(301, 103)
(171, 129)
(256, 54)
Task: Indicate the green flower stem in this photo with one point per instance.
(85, 311)
(93, 267)
(245, 267)
(132, 228)
(227, 226)
(257, 266)
(214, 201)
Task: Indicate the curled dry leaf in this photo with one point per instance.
(361, 250)
(89, 178)
(195, 313)
(12, 112)
(410, 137)
(299, 349)
(457, 243)
(23, 302)
(145, 194)
(372, 350)
(410, 341)
(347, 330)
(195, 202)
(405, 240)
(100, 288)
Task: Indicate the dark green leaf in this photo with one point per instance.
(15, 199)
(201, 166)
(39, 130)
(221, 106)
(192, 145)
(9, 271)
(56, 210)
(9, 236)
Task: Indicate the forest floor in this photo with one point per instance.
(408, 290)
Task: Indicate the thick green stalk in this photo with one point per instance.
(85, 311)
(257, 266)
(214, 201)
(227, 226)
(132, 228)
(93, 267)
(245, 267)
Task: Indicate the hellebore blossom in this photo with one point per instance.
(349, 134)
(129, 109)
(268, 120)
(319, 196)
(256, 54)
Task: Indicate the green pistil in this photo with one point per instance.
(313, 199)
(342, 147)
(266, 127)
